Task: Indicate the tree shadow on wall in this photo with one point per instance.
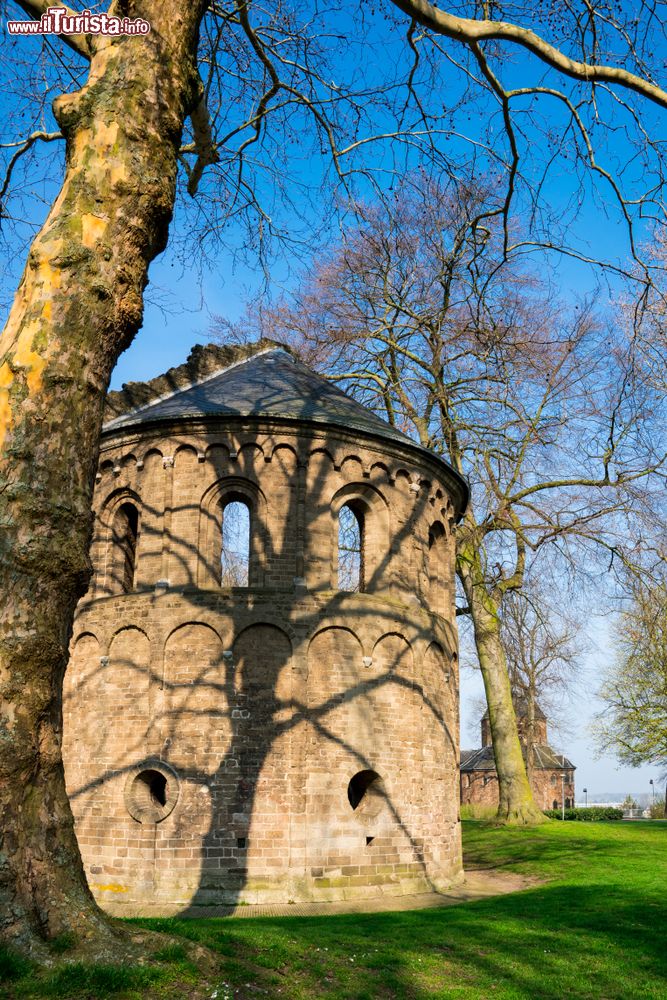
(266, 708)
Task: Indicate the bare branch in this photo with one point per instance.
(23, 147)
(468, 31)
(35, 8)
(204, 143)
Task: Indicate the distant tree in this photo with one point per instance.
(544, 648)
(634, 723)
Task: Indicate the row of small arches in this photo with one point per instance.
(131, 637)
(236, 514)
(221, 456)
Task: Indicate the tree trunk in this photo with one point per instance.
(77, 307)
(516, 803)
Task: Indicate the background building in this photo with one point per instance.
(551, 775)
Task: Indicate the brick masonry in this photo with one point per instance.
(545, 768)
(212, 733)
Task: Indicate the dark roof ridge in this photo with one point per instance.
(203, 361)
(109, 425)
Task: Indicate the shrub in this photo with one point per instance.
(657, 810)
(474, 810)
(590, 814)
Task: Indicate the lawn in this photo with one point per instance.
(597, 929)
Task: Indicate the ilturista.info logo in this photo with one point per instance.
(60, 21)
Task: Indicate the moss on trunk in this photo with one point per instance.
(77, 307)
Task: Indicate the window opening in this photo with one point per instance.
(435, 561)
(350, 548)
(435, 533)
(361, 784)
(235, 552)
(151, 793)
(152, 787)
(125, 531)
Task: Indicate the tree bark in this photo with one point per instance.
(516, 803)
(78, 306)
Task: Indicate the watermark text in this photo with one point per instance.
(57, 21)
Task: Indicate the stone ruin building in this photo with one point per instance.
(262, 699)
(546, 768)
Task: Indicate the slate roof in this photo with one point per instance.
(544, 758)
(274, 384)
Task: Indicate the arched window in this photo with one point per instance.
(435, 533)
(436, 564)
(124, 542)
(235, 549)
(351, 547)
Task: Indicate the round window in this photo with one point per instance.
(151, 792)
(366, 794)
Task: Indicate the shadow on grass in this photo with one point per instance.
(596, 932)
(548, 943)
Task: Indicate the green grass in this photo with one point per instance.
(597, 930)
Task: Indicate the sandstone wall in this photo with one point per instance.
(283, 740)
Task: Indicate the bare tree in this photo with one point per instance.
(544, 650)
(543, 409)
(212, 94)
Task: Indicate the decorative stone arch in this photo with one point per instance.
(334, 666)
(116, 540)
(393, 653)
(437, 681)
(371, 510)
(436, 565)
(127, 626)
(217, 455)
(182, 450)
(150, 452)
(262, 657)
(192, 656)
(189, 624)
(403, 479)
(84, 659)
(215, 499)
(286, 456)
(380, 471)
(128, 463)
(336, 625)
(126, 682)
(352, 466)
(321, 455)
(271, 621)
(250, 458)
